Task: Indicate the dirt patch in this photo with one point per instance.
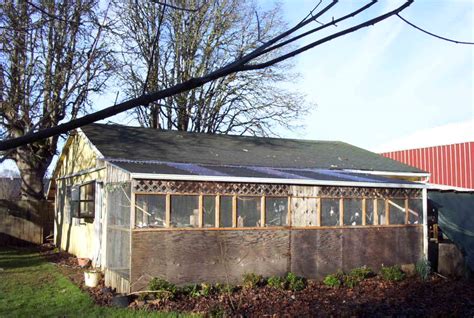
(372, 297)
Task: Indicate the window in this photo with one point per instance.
(83, 200)
(397, 212)
(369, 211)
(276, 211)
(150, 210)
(382, 218)
(184, 211)
(248, 211)
(352, 211)
(226, 211)
(415, 211)
(209, 211)
(330, 212)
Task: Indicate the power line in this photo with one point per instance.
(432, 34)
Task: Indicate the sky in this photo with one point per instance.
(388, 86)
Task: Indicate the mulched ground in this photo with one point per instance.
(438, 297)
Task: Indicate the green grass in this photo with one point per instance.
(32, 287)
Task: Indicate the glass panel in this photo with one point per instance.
(248, 211)
(87, 209)
(352, 211)
(415, 212)
(150, 210)
(397, 211)
(184, 211)
(276, 210)
(330, 212)
(87, 191)
(226, 211)
(381, 212)
(209, 211)
(369, 211)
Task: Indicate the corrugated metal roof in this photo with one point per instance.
(142, 144)
(170, 168)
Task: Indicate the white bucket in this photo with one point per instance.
(91, 278)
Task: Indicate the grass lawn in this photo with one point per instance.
(32, 287)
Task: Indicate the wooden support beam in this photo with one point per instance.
(218, 211)
(234, 211)
(200, 207)
(364, 211)
(168, 211)
(290, 216)
(387, 212)
(132, 211)
(263, 205)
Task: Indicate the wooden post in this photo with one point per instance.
(234, 211)
(262, 212)
(364, 211)
(318, 212)
(290, 216)
(200, 207)
(341, 212)
(132, 211)
(387, 212)
(218, 210)
(168, 210)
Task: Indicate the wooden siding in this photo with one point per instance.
(184, 257)
(450, 165)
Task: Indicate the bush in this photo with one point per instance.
(163, 289)
(332, 281)
(423, 268)
(361, 273)
(392, 273)
(295, 283)
(252, 280)
(276, 282)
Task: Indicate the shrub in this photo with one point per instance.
(361, 273)
(351, 281)
(276, 282)
(252, 280)
(332, 281)
(423, 268)
(163, 289)
(392, 273)
(295, 283)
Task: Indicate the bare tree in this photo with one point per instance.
(254, 60)
(163, 47)
(52, 58)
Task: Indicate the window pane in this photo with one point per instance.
(248, 211)
(150, 210)
(330, 212)
(209, 211)
(397, 211)
(382, 219)
(276, 210)
(226, 211)
(184, 211)
(87, 191)
(415, 212)
(369, 211)
(352, 212)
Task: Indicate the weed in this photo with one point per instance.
(332, 281)
(423, 268)
(276, 282)
(392, 273)
(361, 273)
(252, 280)
(295, 283)
(163, 289)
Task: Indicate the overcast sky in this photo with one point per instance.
(388, 86)
(391, 86)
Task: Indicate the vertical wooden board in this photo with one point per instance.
(304, 211)
(304, 191)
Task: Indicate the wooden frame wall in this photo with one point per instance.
(289, 211)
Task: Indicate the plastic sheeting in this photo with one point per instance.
(456, 219)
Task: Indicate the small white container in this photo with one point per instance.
(91, 278)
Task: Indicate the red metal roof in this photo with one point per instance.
(448, 164)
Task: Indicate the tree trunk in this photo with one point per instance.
(32, 171)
